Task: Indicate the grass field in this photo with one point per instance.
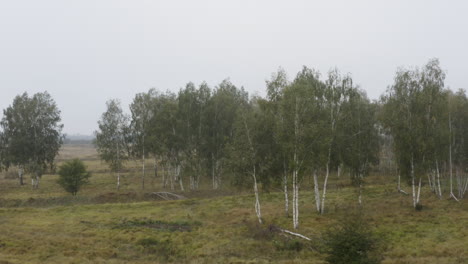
(102, 225)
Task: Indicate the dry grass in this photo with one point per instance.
(50, 226)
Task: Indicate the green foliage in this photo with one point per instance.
(358, 139)
(31, 136)
(73, 175)
(352, 242)
(113, 136)
(415, 113)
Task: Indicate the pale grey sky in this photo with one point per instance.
(84, 52)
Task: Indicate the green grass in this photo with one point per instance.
(102, 225)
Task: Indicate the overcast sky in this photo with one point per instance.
(88, 51)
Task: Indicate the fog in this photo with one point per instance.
(86, 52)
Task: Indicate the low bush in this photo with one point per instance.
(352, 242)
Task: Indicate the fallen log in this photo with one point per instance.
(289, 232)
(168, 196)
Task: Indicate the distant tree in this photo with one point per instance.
(142, 112)
(248, 151)
(336, 92)
(358, 138)
(218, 118)
(73, 175)
(299, 136)
(31, 135)
(275, 122)
(413, 111)
(112, 137)
(164, 134)
(458, 144)
(189, 112)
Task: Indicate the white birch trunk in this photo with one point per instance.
(163, 178)
(294, 197)
(429, 176)
(296, 226)
(118, 180)
(20, 174)
(399, 184)
(180, 178)
(438, 180)
(286, 196)
(412, 182)
(295, 200)
(171, 178)
(324, 191)
(419, 191)
(143, 172)
(317, 192)
(257, 200)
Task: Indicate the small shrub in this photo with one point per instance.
(73, 175)
(352, 242)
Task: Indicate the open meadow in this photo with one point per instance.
(103, 225)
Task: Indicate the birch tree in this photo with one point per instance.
(336, 93)
(247, 151)
(219, 117)
(412, 116)
(358, 139)
(299, 137)
(112, 138)
(272, 111)
(31, 135)
(141, 112)
(458, 156)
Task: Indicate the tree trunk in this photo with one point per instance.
(257, 200)
(118, 180)
(143, 172)
(35, 180)
(419, 191)
(431, 187)
(213, 171)
(317, 192)
(450, 163)
(20, 174)
(171, 178)
(286, 196)
(324, 191)
(438, 180)
(297, 203)
(399, 184)
(412, 182)
(155, 167)
(180, 178)
(295, 199)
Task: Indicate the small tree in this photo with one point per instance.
(32, 135)
(73, 175)
(352, 242)
(112, 137)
